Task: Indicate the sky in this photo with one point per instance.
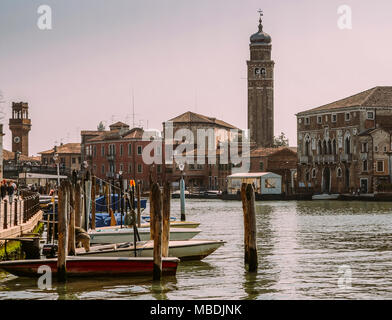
(181, 55)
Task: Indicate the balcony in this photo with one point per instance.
(318, 158)
(304, 159)
(111, 157)
(329, 158)
(363, 156)
(346, 157)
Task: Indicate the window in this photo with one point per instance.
(385, 148)
(103, 169)
(159, 168)
(380, 166)
(339, 173)
(200, 167)
(94, 151)
(139, 168)
(313, 173)
(121, 167)
(364, 147)
(370, 115)
(364, 166)
(270, 183)
(376, 148)
(73, 160)
(121, 149)
(319, 119)
(261, 166)
(307, 120)
(129, 149)
(139, 150)
(130, 168)
(103, 151)
(347, 116)
(334, 117)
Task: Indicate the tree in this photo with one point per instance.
(281, 140)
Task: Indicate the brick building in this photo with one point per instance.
(345, 145)
(279, 160)
(69, 156)
(119, 150)
(211, 176)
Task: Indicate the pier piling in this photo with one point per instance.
(138, 204)
(156, 198)
(248, 201)
(62, 236)
(93, 185)
(71, 227)
(166, 219)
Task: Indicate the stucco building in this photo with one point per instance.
(345, 145)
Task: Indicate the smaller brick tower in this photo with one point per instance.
(20, 125)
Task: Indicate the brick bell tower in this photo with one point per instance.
(20, 125)
(261, 89)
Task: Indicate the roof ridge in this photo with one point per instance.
(372, 91)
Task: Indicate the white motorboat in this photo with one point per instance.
(185, 250)
(116, 234)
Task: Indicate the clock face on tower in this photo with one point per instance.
(16, 139)
(259, 71)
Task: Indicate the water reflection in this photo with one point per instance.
(301, 246)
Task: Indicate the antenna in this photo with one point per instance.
(133, 110)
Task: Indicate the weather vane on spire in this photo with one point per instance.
(261, 15)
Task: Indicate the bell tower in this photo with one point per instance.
(261, 89)
(20, 125)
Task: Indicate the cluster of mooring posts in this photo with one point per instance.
(77, 199)
(70, 214)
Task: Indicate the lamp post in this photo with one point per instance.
(56, 161)
(182, 191)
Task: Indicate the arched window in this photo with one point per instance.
(347, 145)
(314, 173)
(325, 148)
(339, 173)
(307, 147)
(329, 147)
(334, 147)
(319, 148)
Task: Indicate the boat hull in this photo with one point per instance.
(91, 266)
(184, 250)
(117, 235)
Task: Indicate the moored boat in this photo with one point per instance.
(116, 234)
(91, 266)
(184, 250)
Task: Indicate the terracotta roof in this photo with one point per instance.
(90, 132)
(264, 152)
(189, 116)
(374, 98)
(135, 133)
(9, 155)
(73, 148)
(119, 124)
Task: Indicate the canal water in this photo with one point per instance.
(306, 250)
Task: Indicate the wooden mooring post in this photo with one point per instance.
(156, 200)
(71, 226)
(63, 234)
(138, 192)
(78, 211)
(166, 219)
(93, 202)
(152, 228)
(248, 206)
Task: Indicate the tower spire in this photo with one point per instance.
(260, 20)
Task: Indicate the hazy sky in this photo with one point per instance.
(181, 55)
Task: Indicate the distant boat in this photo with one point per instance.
(116, 234)
(185, 250)
(325, 196)
(91, 266)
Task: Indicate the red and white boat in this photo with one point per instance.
(92, 266)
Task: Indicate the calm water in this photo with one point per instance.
(301, 247)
